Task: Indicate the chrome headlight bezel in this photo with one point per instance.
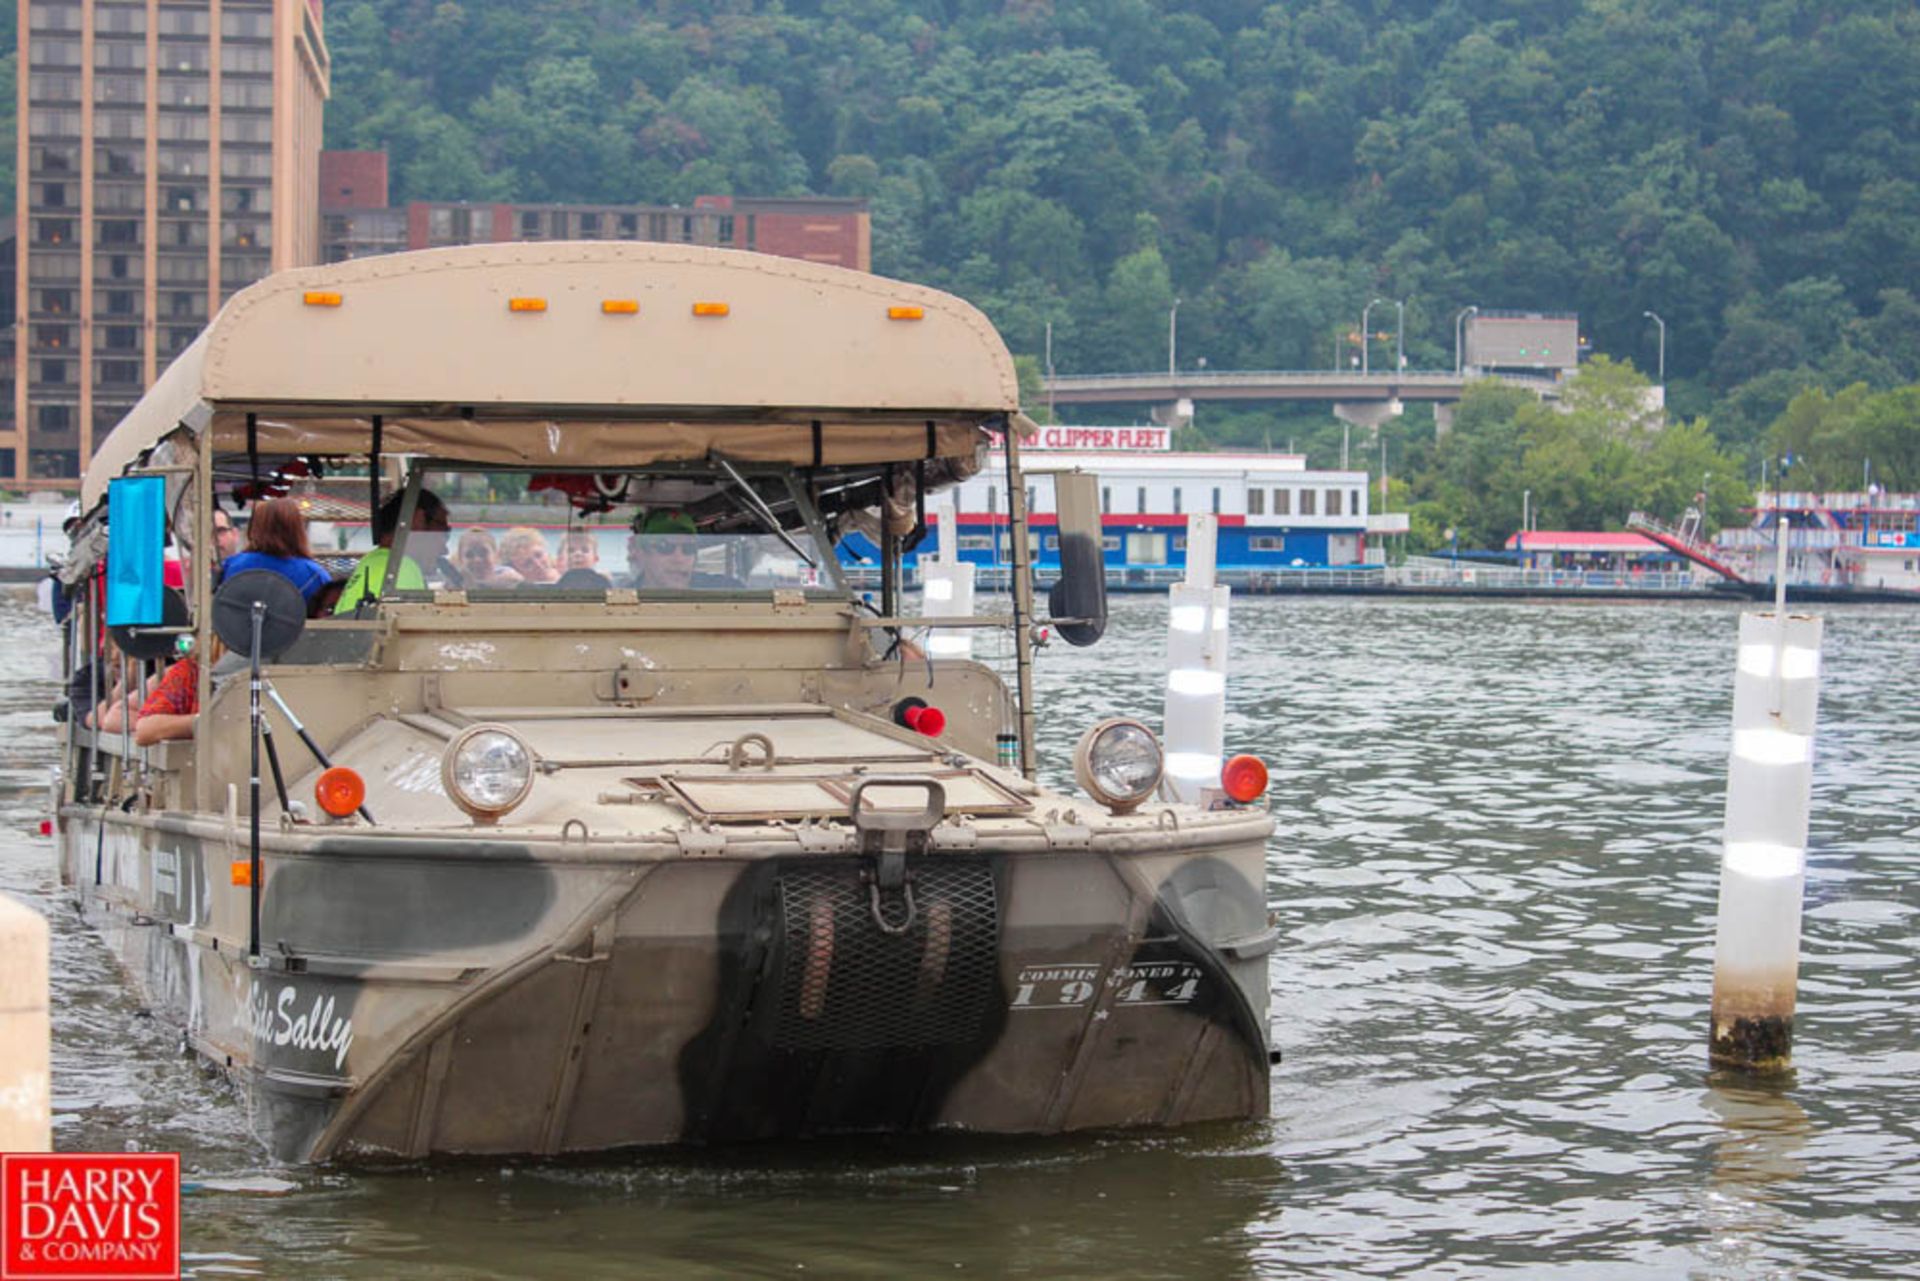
(485, 809)
(1094, 774)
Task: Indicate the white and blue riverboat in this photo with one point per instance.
(1275, 513)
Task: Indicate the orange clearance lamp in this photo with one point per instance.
(340, 791)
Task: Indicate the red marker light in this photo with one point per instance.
(1244, 778)
(46, 827)
(916, 715)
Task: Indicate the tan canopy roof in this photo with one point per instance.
(581, 354)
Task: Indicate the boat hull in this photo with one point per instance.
(417, 998)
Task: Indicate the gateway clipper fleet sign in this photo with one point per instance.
(69, 1216)
(1146, 440)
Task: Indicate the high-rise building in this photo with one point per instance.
(168, 156)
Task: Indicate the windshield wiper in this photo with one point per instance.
(758, 506)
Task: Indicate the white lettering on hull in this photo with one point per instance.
(280, 1021)
(1066, 987)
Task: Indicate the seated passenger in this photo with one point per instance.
(172, 708)
(524, 548)
(118, 704)
(661, 551)
(580, 562)
(479, 558)
(426, 540)
(277, 540)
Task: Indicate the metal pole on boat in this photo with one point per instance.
(946, 586)
(1021, 583)
(305, 737)
(1194, 728)
(253, 782)
(1756, 952)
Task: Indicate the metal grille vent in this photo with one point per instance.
(847, 985)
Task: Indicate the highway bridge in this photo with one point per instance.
(1363, 398)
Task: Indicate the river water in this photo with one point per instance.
(1496, 874)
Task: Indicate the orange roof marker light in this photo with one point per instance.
(321, 297)
(620, 306)
(1244, 778)
(526, 304)
(240, 872)
(340, 791)
(906, 313)
(712, 309)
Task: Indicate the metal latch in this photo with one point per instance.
(889, 836)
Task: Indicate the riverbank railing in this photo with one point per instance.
(1438, 577)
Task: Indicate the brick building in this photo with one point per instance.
(357, 221)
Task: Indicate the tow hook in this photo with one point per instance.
(887, 836)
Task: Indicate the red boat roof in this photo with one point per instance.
(1582, 540)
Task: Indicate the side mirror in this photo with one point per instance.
(1078, 601)
(282, 612)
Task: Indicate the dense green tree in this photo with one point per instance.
(1749, 172)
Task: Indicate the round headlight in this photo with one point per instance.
(1118, 763)
(487, 771)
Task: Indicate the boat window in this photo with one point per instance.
(501, 536)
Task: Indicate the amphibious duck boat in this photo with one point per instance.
(622, 860)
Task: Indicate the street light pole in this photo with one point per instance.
(1663, 344)
(1459, 323)
(1399, 337)
(1366, 337)
(1051, 418)
(1173, 333)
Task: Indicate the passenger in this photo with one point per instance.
(580, 562)
(524, 548)
(661, 550)
(579, 550)
(226, 539)
(426, 540)
(480, 565)
(172, 708)
(117, 705)
(277, 540)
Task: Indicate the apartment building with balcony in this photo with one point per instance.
(168, 157)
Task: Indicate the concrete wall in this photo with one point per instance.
(26, 1097)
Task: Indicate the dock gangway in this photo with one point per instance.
(1684, 540)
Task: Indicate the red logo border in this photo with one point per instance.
(6, 1271)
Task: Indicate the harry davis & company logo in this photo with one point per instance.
(89, 1217)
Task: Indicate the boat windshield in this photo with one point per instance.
(702, 529)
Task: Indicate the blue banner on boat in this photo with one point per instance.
(136, 550)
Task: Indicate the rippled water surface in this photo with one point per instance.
(1496, 872)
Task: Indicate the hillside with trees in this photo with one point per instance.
(1751, 172)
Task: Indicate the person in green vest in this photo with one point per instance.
(425, 544)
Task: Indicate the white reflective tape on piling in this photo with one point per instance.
(1799, 663)
(1772, 747)
(1189, 618)
(1197, 682)
(1764, 860)
(1193, 766)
